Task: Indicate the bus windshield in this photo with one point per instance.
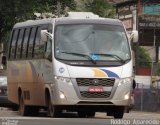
(100, 42)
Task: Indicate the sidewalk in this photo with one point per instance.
(134, 115)
(5, 112)
(142, 115)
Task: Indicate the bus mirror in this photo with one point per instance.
(134, 36)
(4, 60)
(45, 34)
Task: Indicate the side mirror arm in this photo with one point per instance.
(45, 34)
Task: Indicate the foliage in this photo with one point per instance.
(144, 58)
(100, 7)
(13, 11)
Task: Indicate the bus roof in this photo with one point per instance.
(33, 22)
(68, 20)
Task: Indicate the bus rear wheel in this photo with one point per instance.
(27, 110)
(23, 109)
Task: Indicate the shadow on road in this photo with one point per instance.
(75, 115)
(7, 112)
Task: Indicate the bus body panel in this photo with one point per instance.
(35, 83)
(31, 77)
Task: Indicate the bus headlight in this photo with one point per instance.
(62, 96)
(125, 81)
(63, 79)
(126, 97)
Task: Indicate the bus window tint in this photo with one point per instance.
(19, 43)
(48, 53)
(26, 38)
(13, 44)
(31, 41)
(39, 47)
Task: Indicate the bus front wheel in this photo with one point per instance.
(53, 111)
(118, 113)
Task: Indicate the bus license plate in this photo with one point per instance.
(95, 89)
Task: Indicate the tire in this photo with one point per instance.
(23, 109)
(53, 111)
(110, 113)
(118, 113)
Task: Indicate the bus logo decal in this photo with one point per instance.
(99, 73)
(61, 70)
(95, 81)
(104, 73)
(110, 73)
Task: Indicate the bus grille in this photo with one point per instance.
(103, 82)
(95, 94)
(90, 82)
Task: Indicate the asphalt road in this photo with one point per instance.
(8, 117)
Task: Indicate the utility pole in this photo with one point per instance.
(154, 45)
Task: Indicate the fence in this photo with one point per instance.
(147, 98)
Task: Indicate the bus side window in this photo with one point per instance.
(25, 42)
(39, 48)
(19, 44)
(13, 44)
(31, 42)
(10, 45)
(48, 52)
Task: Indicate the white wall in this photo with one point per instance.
(143, 80)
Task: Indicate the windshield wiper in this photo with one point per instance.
(112, 55)
(82, 55)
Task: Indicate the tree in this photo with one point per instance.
(57, 7)
(144, 58)
(100, 7)
(13, 11)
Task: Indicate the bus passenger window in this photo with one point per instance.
(48, 53)
(31, 42)
(26, 38)
(19, 43)
(39, 48)
(13, 44)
